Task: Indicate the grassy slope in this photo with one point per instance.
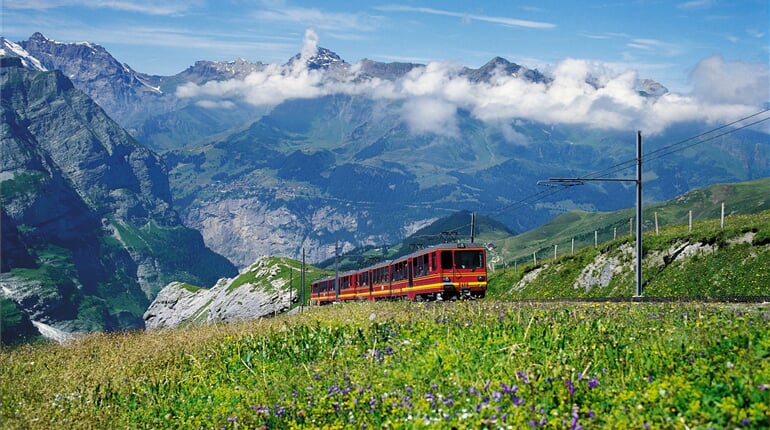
(411, 365)
(734, 261)
(739, 198)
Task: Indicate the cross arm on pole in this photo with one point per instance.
(571, 182)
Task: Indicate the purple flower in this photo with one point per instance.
(746, 422)
(570, 387)
(532, 424)
(486, 384)
(593, 383)
(507, 389)
(523, 376)
(497, 395)
(762, 387)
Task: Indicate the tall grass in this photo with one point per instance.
(411, 365)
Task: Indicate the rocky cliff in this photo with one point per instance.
(88, 232)
(263, 289)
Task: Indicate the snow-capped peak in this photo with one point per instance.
(10, 49)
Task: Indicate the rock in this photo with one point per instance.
(260, 290)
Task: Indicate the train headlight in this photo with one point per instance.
(446, 279)
(481, 278)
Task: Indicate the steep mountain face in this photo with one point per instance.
(88, 232)
(10, 50)
(117, 88)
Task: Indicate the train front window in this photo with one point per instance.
(469, 259)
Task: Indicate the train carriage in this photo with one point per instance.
(439, 272)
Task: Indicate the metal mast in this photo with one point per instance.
(571, 182)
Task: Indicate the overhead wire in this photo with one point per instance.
(653, 155)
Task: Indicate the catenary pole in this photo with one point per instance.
(570, 182)
(638, 214)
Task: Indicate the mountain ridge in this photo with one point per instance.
(87, 213)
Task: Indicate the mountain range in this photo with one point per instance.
(261, 173)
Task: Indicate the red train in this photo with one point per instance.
(439, 272)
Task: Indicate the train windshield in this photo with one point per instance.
(463, 259)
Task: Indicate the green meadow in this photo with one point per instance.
(478, 364)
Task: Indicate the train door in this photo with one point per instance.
(409, 267)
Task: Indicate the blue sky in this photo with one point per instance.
(663, 40)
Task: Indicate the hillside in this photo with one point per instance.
(584, 227)
(707, 262)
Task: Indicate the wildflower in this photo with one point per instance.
(570, 387)
(763, 387)
(593, 383)
(523, 376)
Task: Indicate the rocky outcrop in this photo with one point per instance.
(261, 290)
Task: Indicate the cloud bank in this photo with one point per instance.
(579, 92)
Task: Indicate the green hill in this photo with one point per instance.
(584, 227)
(708, 261)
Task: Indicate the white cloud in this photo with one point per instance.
(466, 17)
(148, 7)
(279, 11)
(431, 115)
(696, 4)
(581, 92)
(719, 81)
